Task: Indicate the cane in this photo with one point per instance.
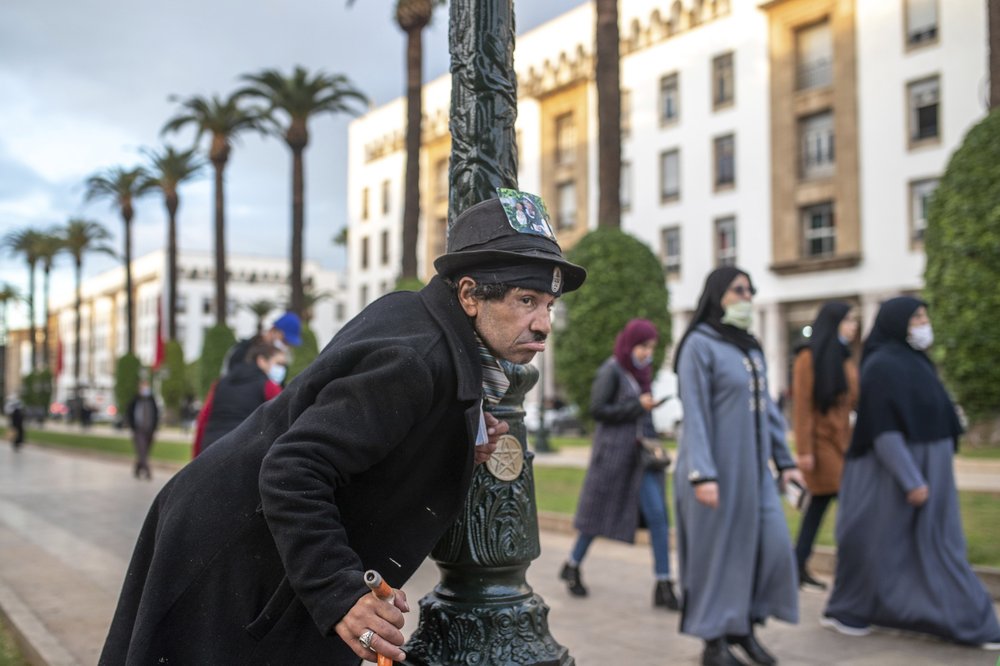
(381, 590)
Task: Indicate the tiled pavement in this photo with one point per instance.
(68, 524)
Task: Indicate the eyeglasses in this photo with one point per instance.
(740, 290)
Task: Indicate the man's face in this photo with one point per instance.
(514, 328)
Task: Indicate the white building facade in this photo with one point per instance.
(797, 139)
(102, 314)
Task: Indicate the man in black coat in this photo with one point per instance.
(255, 551)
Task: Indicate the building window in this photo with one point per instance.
(725, 241)
(385, 248)
(814, 56)
(816, 156)
(670, 99)
(924, 121)
(921, 22)
(566, 196)
(364, 253)
(626, 113)
(441, 180)
(819, 235)
(670, 175)
(181, 303)
(364, 203)
(670, 250)
(565, 140)
(625, 183)
(725, 161)
(921, 192)
(364, 295)
(340, 311)
(386, 185)
(206, 306)
(723, 92)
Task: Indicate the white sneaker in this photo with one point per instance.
(840, 627)
(995, 645)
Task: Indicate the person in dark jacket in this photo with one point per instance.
(286, 331)
(17, 425)
(143, 419)
(239, 392)
(255, 552)
(617, 488)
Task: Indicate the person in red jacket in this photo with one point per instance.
(242, 390)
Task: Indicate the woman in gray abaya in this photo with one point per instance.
(901, 560)
(737, 567)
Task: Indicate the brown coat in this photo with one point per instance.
(825, 436)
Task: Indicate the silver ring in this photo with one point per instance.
(366, 639)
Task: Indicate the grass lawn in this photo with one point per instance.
(165, 451)
(558, 488)
(9, 654)
(989, 453)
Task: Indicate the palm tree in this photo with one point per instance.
(609, 124)
(81, 237)
(123, 186)
(26, 242)
(261, 308)
(8, 293)
(310, 298)
(300, 97)
(50, 244)
(169, 168)
(224, 120)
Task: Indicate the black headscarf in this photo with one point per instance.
(828, 354)
(900, 389)
(710, 311)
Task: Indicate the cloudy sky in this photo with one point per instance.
(85, 86)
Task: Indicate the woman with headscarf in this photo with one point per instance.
(824, 392)
(617, 487)
(736, 564)
(901, 560)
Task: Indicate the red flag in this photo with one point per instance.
(59, 357)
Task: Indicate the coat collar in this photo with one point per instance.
(440, 301)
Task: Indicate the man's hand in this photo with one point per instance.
(383, 617)
(807, 462)
(918, 496)
(792, 474)
(494, 428)
(707, 493)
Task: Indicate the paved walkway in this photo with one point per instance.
(68, 524)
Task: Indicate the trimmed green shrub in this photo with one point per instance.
(127, 371)
(37, 389)
(624, 280)
(218, 340)
(963, 270)
(173, 387)
(304, 354)
(409, 284)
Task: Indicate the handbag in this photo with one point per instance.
(653, 455)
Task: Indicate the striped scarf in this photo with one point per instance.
(495, 382)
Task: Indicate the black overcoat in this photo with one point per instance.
(254, 550)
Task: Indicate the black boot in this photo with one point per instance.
(807, 581)
(755, 651)
(664, 597)
(717, 654)
(571, 574)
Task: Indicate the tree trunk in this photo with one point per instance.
(609, 124)
(46, 281)
(77, 306)
(414, 115)
(298, 223)
(220, 245)
(993, 9)
(172, 204)
(129, 296)
(32, 333)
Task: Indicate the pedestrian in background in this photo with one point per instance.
(242, 390)
(143, 418)
(736, 562)
(901, 559)
(16, 425)
(825, 392)
(285, 332)
(617, 487)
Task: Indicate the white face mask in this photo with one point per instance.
(641, 362)
(277, 373)
(739, 314)
(921, 337)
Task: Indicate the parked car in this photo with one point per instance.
(558, 421)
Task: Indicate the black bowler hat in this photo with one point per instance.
(509, 240)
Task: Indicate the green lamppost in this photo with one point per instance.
(483, 611)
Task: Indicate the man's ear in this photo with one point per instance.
(469, 303)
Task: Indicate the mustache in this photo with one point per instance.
(539, 337)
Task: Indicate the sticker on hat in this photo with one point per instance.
(557, 280)
(526, 212)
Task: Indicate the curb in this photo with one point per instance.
(37, 644)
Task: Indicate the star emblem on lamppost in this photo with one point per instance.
(507, 461)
